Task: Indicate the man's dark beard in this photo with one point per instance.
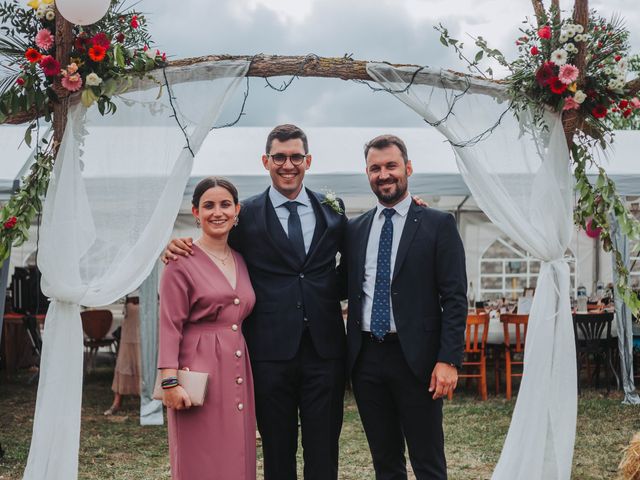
(392, 197)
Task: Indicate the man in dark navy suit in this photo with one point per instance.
(407, 315)
(289, 237)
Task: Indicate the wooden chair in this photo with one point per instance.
(513, 346)
(474, 352)
(96, 324)
(593, 342)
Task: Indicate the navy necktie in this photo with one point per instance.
(294, 229)
(381, 311)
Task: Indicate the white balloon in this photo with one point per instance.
(83, 12)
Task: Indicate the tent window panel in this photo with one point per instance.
(491, 283)
(516, 283)
(492, 266)
(506, 270)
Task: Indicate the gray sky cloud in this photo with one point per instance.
(399, 31)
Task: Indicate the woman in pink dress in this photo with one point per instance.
(203, 301)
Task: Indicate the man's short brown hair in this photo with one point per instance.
(384, 141)
(285, 132)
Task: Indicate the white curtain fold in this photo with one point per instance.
(519, 175)
(624, 320)
(109, 210)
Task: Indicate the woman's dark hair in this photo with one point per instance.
(211, 182)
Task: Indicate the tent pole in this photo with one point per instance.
(459, 210)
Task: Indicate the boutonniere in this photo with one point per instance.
(331, 200)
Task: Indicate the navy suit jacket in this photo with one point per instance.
(428, 289)
(291, 294)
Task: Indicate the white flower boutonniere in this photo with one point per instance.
(331, 200)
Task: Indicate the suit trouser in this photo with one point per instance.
(395, 406)
(312, 387)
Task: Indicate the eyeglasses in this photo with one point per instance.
(280, 158)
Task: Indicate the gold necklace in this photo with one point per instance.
(222, 260)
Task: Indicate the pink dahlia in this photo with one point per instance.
(568, 74)
(635, 102)
(570, 104)
(73, 83)
(44, 39)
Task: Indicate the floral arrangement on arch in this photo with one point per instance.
(545, 71)
(546, 76)
(104, 55)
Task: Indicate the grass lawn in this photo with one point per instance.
(119, 448)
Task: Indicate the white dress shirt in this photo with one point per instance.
(371, 259)
(305, 212)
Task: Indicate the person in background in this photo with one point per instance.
(126, 376)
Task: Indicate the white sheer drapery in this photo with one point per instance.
(623, 318)
(109, 210)
(519, 175)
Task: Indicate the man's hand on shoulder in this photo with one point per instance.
(443, 380)
(419, 201)
(176, 247)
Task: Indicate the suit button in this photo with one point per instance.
(305, 319)
(238, 353)
(234, 327)
(236, 301)
(239, 380)
(299, 305)
(302, 275)
(240, 406)
(395, 293)
(357, 322)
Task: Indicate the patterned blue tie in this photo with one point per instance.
(381, 311)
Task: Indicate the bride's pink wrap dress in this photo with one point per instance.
(201, 329)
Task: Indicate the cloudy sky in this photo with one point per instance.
(398, 31)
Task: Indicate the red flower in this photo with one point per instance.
(97, 53)
(623, 104)
(50, 66)
(120, 37)
(33, 55)
(626, 113)
(534, 50)
(557, 86)
(617, 58)
(134, 22)
(599, 111)
(20, 81)
(102, 40)
(80, 43)
(545, 74)
(545, 32)
(9, 224)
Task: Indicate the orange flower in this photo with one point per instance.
(33, 55)
(97, 53)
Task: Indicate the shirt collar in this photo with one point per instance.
(401, 208)
(278, 199)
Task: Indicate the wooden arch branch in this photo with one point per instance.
(265, 66)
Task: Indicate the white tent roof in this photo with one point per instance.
(338, 162)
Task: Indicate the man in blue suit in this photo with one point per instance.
(407, 316)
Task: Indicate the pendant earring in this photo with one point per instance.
(197, 222)
(236, 221)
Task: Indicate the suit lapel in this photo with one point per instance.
(274, 232)
(360, 242)
(323, 221)
(408, 232)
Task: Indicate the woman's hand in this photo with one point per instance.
(176, 398)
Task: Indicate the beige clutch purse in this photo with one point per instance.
(194, 383)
